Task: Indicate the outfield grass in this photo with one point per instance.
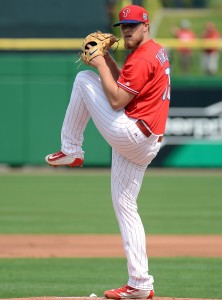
(80, 202)
(177, 203)
(174, 277)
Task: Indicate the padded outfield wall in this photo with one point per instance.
(193, 135)
(35, 86)
(34, 93)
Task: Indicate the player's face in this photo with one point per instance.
(134, 34)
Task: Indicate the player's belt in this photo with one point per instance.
(146, 131)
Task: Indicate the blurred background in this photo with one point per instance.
(39, 45)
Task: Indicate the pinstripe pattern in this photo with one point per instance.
(132, 152)
(126, 180)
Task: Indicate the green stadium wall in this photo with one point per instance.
(34, 93)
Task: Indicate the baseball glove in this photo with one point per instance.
(100, 44)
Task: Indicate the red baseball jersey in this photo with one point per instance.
(146, 74)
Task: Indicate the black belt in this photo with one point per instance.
(146, 131)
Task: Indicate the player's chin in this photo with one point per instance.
(128, 45)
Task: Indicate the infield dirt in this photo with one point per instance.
(105, 246)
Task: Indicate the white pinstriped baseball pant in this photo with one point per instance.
(132, 152)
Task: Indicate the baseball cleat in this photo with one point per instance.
(60, 159)
(128, 292)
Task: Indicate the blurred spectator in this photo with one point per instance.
(184, 34)
(210, 56)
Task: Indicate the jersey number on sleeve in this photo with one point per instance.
(166, 94)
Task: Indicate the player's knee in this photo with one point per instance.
(85, 75)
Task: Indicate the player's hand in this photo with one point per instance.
(96, 61)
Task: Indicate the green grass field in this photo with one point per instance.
(79, 201)
(174, 277)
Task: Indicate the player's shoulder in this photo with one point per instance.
(154, 46)
(151, 47)
(151, 51)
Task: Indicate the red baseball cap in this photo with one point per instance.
(132, 14)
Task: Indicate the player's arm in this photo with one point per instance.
(112, 65)
(117, 97)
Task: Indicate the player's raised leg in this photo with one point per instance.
(74, 124)
(88, 100)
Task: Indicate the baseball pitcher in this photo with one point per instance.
(129, 107)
